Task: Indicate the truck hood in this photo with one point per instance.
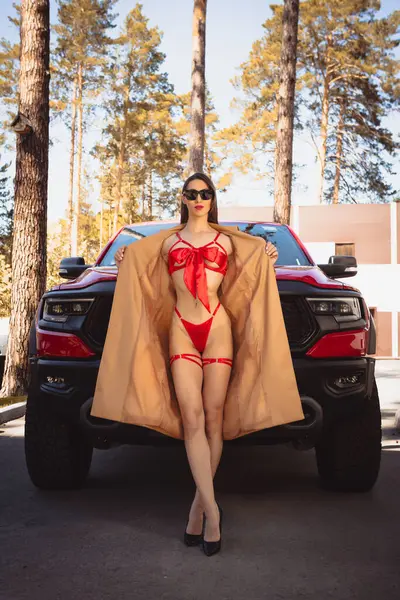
(89, 277)
(310, 274)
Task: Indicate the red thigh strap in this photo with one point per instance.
(225, 361)
(187, 356)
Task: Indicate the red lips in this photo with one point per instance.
(199, 206)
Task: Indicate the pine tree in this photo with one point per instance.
(140, 148)
(345, 54)
(83, 43)
(30, 200)
(346, 50)
(9, 69)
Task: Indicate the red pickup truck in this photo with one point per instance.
(331, 334)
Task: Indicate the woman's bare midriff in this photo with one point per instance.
(195, 312)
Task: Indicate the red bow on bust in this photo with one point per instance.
(194, 275)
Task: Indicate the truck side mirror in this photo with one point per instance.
(72, 267)
(340, 266)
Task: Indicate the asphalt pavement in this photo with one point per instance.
(120, 537)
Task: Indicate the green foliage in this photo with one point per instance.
(6, 212)
(9, 70)
(82, 35)
(345, 55)
(58, 239)
(141, 149)
(81, 48)
(5, 287)
(6, 223)
(89, 226)
(213, 156)
(79, 54)
(57, 248)
(348, 54)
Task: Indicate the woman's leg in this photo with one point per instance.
(214, 394)
(188, 379)
(215, 384)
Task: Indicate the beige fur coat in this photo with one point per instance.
(134, 383)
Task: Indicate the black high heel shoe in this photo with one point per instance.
(193, 539)
(211, 548)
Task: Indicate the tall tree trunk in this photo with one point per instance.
(150, 196)
(79, 160)
(198, 98)
(284, 134)
(324, 137)
(29, 254)
(101, 225)
(339, 153)
(207, 157)
(120, 172)
(71, 214)
(143, 197)
(121, 159)
(325, 116)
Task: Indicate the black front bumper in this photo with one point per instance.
(322, 400)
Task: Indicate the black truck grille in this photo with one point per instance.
(96, 323)
(299, 322)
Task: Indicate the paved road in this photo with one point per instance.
(120, 537)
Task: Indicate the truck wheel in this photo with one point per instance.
(349, 451)
(57, 454)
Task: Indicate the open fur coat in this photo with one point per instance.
(134, 383)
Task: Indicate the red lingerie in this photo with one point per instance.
(192, 259)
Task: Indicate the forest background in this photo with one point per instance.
(120, 105)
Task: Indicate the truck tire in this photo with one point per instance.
(349, 451)
(56, 452)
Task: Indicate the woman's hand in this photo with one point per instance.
(119, 255)
(272, 252)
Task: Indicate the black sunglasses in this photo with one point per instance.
(205, 194)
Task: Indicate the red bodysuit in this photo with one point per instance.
(193, 259)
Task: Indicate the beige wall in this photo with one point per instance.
(367, 226)
(398, 231)
(383, 334)
(398, 334)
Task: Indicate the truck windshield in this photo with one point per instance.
(289, 251)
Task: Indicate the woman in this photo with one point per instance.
(200, 336)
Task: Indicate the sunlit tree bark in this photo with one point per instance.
(30, 199)
(284, 134)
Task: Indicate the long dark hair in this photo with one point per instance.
(213, 212)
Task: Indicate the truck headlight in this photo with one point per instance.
(57, 309)
(343, 309)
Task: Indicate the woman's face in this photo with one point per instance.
(198, 207)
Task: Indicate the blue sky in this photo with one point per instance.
(232, 27)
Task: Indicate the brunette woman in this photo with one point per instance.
(200, 347)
